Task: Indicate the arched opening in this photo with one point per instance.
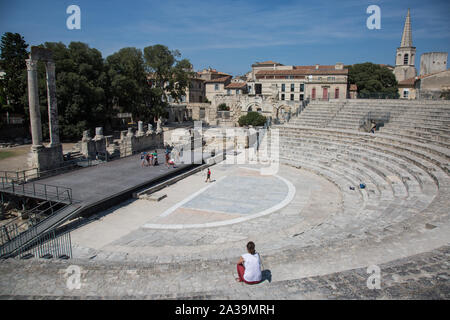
(313, 93)
(405, 58)
(336, 93)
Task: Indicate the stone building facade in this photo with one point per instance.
(195, 93)
(432, 62)
(216, 86)
(298, 83)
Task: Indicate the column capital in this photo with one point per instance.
(31, 64)
(50, 65)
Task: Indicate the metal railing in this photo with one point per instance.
(20, 176)
(35, 215)
(47, 246)
(36, 190)
(302, 107)
(378, 95)
(18, 237)
(378, 117)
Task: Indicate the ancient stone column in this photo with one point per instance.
(86, 136)
(158, 126)
(130, 132)
(33, 103)
(52, 104)
(140, 128)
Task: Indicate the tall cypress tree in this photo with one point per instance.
(14, 82)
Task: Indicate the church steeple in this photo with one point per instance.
(406, 54)
(407, 33)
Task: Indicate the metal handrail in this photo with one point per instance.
(372, 115)
(47, 193)
(47, 245)
(12, 229)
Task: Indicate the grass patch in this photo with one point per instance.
(6, 154)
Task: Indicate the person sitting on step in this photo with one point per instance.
(249, 266)
(373, 128)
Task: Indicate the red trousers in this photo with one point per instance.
(241, 271)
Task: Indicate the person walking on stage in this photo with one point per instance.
(208, 176)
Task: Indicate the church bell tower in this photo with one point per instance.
(406, 54)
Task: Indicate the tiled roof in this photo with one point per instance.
(267, 62)
(407, 82)
(236, 85)
(353, 87)
(430, 74)
(223, 79)
(301, 71)
(313, 67)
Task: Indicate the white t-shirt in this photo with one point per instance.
(252, 265)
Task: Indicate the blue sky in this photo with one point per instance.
(231, 35)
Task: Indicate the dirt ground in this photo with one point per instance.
(16, 158)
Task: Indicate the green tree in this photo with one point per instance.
(223, 107)
(80, 83)
(13, 84)
(169, 77)
(252, 118)
(373, 80)
(128, 82)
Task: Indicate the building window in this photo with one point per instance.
(405, 59)
(319, 78)
(228, 91)
(313, 93)
(301, 97)
(238, 91)
(292, 87)
(292, 97)
(336, 93)
(302, 87)
(405, 93)
(282, 96)
(283, 88)
(331, 79)
(216, 87)
(258, 88)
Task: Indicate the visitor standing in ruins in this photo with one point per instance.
(155, 158)
(143, 159)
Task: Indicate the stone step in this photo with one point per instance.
(399, 168)
(388, 139)
(413, 157)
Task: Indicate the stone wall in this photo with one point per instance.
(128, 144)
(194, 111)
(131, 143)
(431, 62)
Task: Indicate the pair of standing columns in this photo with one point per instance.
(33, 100)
